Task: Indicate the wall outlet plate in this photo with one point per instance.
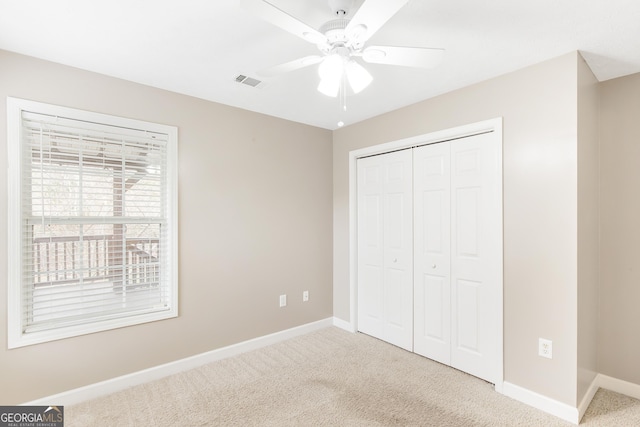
(545, 348)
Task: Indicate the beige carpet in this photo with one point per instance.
(329, 378)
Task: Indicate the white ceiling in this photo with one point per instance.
(198, 47)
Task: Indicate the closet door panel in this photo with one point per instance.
(398, 245)
(370, 249)
(386, 311)
(432, 288)
(475, 207)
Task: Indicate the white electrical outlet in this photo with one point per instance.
(283, 300)
(305, 296)
(545, 348)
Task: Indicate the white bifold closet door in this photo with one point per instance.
(430, 251)
(385, 247)
(457, 253)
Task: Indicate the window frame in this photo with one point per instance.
(17, 337)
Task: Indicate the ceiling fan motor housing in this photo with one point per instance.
(334, 30)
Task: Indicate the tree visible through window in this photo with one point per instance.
(96, 210)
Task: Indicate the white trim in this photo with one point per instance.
(492, 125)
(83, 115)
(343, 324)
(14, 210)
(499, 384)
(18, 335)
(113, 385)
(538, 401)
(586, 400)
(619, 386)
(353, 240)
(544, 403)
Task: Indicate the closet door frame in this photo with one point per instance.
(493, 126)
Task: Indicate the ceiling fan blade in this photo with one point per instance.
(278, 17)
(290, 66)
(419, 57)
(372, 15)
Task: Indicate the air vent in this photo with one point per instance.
(248, 80)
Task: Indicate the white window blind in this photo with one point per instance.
(96, 236)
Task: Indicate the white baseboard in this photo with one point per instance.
(544, 403)
(586, 400)
(113, 385)
(343, 324)
(619, 386)
(567, 412)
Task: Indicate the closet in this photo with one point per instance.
(429, 251)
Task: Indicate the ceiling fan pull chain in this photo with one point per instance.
(343, 92)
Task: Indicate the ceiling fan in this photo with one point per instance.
(342, 41)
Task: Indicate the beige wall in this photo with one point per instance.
(539, 107)
(588, 227)
(619, 339)
(255, 222)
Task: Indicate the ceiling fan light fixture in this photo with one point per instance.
(331, 67)
(331, 70)
(358, 77)
(329, 87)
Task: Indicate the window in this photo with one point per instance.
(92, 222)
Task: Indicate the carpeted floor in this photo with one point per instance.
(329, 378)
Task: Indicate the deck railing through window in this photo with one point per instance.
(71, 259)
